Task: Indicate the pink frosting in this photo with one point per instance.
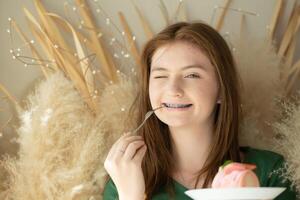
(236, 175)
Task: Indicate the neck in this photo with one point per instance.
(190, 146)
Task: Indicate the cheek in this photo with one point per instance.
(152, 93)
(207, 92)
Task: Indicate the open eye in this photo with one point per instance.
(193, 76)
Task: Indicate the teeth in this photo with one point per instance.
(177, 105)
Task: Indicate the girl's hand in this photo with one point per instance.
(123, 164)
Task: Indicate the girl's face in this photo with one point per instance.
(183, 79)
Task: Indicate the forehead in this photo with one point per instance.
(179, 54)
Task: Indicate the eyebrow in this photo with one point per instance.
(155, 68)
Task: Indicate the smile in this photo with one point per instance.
(170, 106)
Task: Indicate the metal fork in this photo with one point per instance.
(147, 115)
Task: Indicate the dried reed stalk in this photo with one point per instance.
(290, 31)
(222, 16)
(109, 68)
(145, 24)
(274, 20)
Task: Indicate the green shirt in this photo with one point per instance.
(269, 167)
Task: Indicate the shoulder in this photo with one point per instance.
(267, 163)
(263, 158)
(270, 169)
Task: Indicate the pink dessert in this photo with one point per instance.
(233, 174)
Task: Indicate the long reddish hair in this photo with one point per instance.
(158, 162)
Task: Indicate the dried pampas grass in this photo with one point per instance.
(116, 101)
(289, 144)
(62, 146)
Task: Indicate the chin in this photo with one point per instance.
(175, 122)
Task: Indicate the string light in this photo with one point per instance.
(107, 21)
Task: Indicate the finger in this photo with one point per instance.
(132, 148)
(121, 146)
(138, 157)
(114, 146)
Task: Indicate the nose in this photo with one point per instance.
(174, 88)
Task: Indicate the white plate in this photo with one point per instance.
(245, 193)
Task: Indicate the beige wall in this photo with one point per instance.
(19, 80)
